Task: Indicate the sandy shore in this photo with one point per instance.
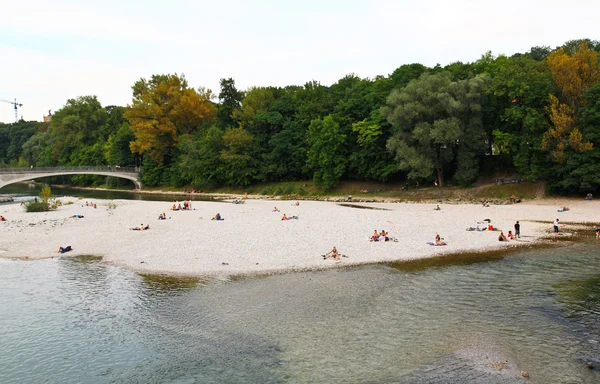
(254, 240)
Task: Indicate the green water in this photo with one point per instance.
(81, 321)
(27, 191)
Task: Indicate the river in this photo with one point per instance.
(77, 320)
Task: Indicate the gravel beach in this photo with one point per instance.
(254, 240)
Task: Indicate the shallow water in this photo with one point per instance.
(23, 191)
(80, 321)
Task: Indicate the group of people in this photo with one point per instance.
(503, 237)
(90, 204)
(162, 216)
(187, 205)
(380, 236)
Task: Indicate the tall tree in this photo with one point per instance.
(433, 118)
(326, 155)
(163, 108)
(573, 74)
(230, 100)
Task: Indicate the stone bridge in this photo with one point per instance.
(16, 175)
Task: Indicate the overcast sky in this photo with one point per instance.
(51, 51)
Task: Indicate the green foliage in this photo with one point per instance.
(326, 155)
(45, 203)
(230, 102)
(434, 118)
(418, 123)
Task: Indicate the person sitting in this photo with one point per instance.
(174, 208)
(64, 249)
(565, 208)
(2, 218)
(179, 207)
(95, 206)
(284, 217)
(486, 204)
(437, 208)
(375, 235)
(438, 240)
(513, 199)
(162, 216)
(597, 233)
(76, 216)
(501, 237)
(334, 254)
(217, 217)
(510, 236)
(297, 203)
(588, 196)
(275, 209)
(383, 236)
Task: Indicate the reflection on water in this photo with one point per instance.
(28, 191)
(80, 321)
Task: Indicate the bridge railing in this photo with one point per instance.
(111, 169)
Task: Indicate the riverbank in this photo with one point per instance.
(254, 240)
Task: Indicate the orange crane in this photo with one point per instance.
(16, 107)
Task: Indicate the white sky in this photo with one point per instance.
(51, 51)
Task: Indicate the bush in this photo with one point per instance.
(36, 206)
(46, 204)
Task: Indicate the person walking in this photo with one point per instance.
(555, 228)
(517, 230)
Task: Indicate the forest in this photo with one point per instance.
(535, 115)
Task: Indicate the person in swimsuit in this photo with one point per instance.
(438, 240)
(2, 218)
(510, 236)
(597, 233)
(501, 237)
(334, 254)
(375, 235)
(284, 217)
(555, 224)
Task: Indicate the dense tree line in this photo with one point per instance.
(536, 114)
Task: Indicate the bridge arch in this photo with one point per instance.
(15, 175)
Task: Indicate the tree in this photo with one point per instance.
(230, 100)
(237, 162)
(326, 155)
(434, 118)
(163, 108)
(200, 160)
(573, 75)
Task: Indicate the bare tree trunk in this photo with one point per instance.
(440, 173)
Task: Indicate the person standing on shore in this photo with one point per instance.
(555, 228)
(517, 230)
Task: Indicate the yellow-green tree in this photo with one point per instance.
(573, 75)
(162, 109)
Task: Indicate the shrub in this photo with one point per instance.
(36, 206)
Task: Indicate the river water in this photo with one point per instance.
(78, 320)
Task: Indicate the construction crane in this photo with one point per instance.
(16, 108)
